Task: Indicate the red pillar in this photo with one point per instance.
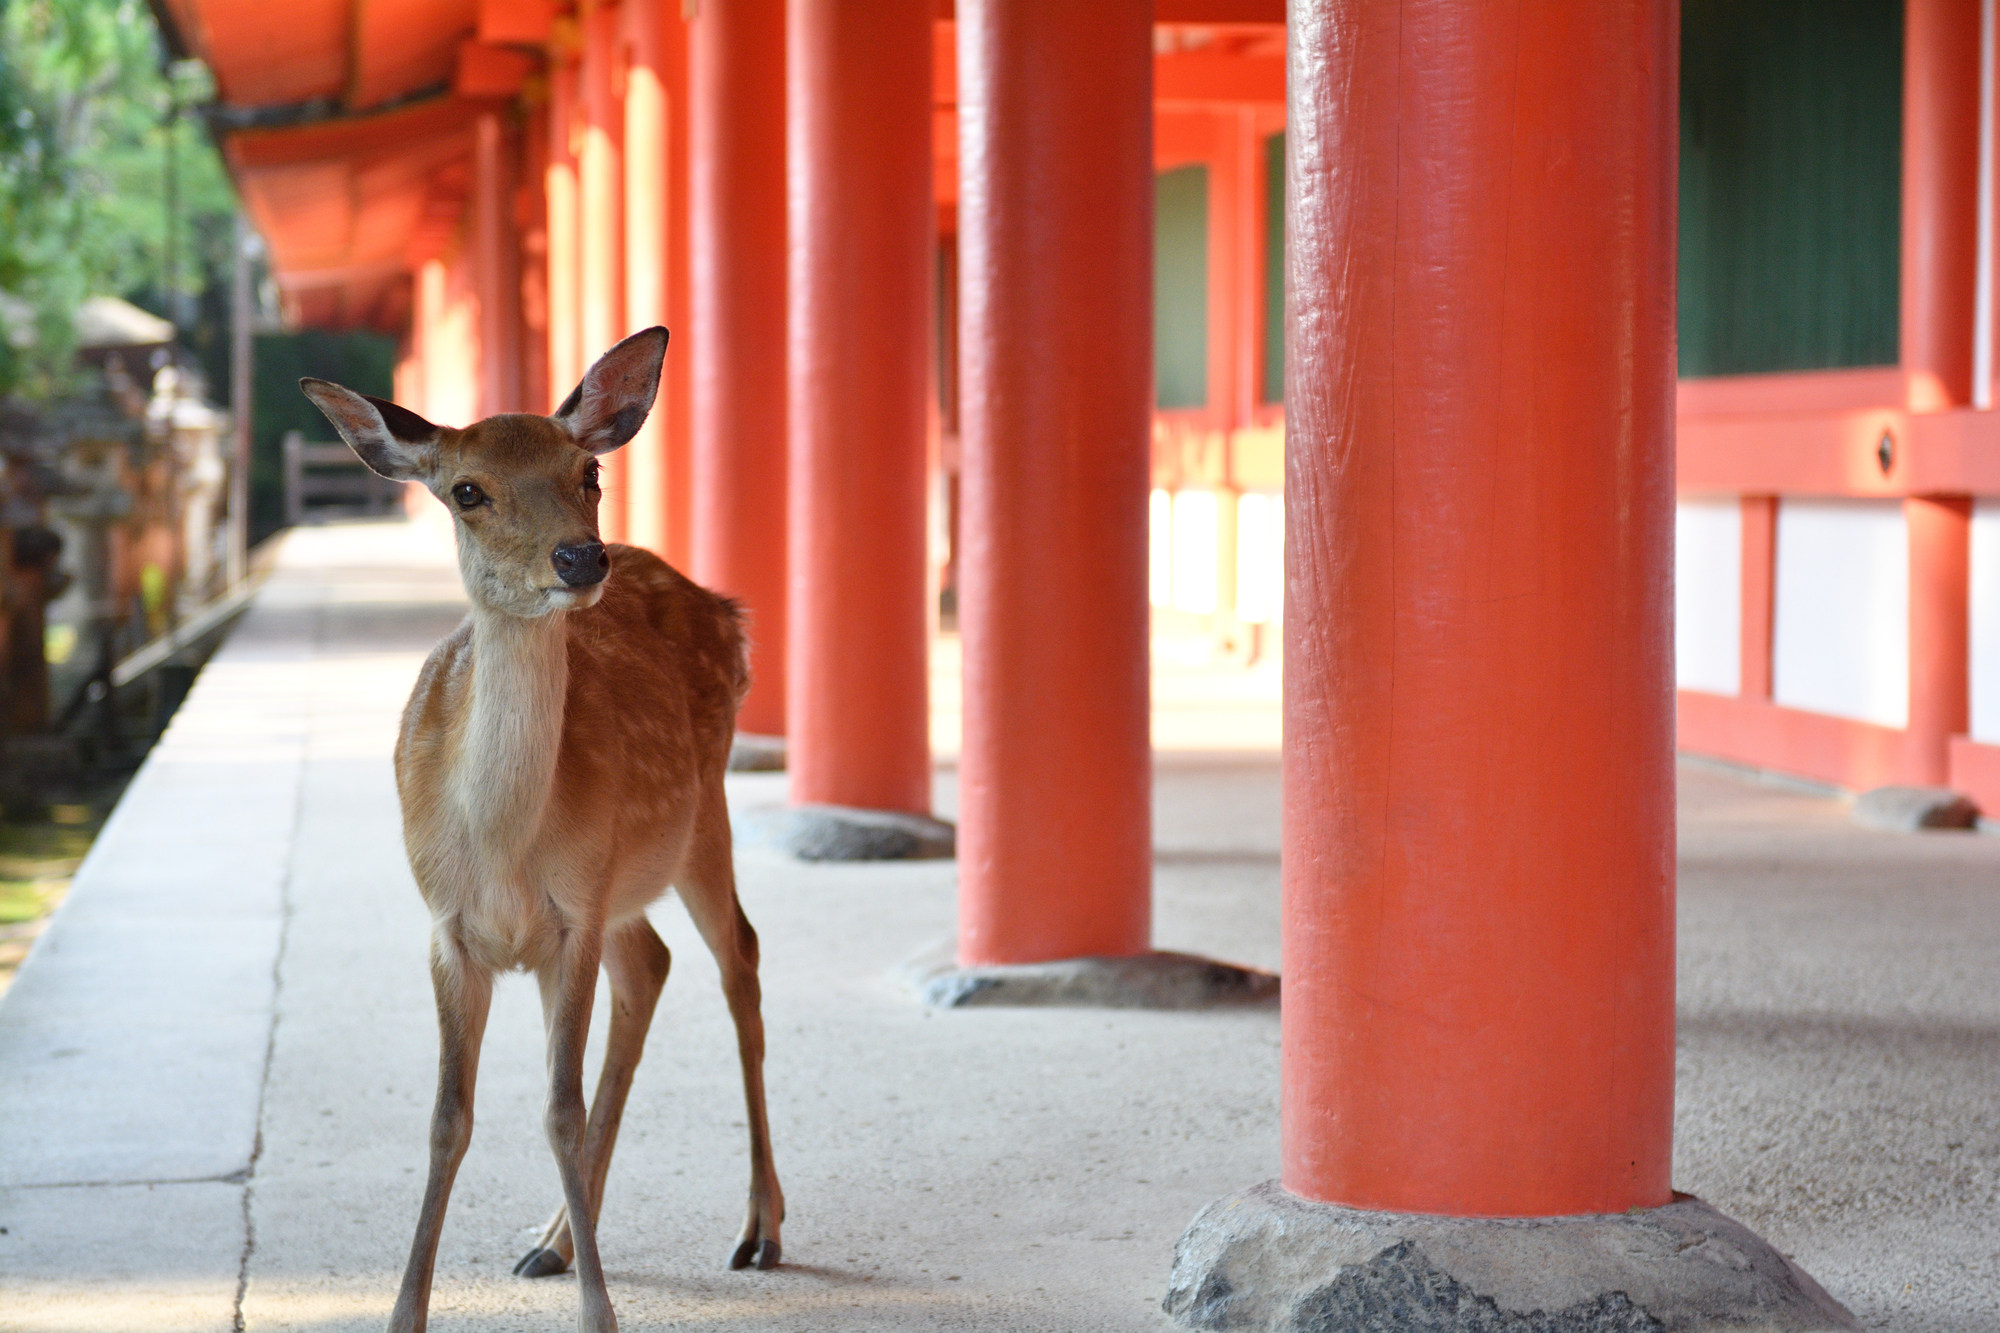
(862, 242)
(736, 181)
(565, 358)
(1941, 41)
(1759, 594)
(657, 39)
(1940, 226)
(1479, 798)
(601, 228)
(678, 379)
(408, 382)
(1055, 281)
(1940, 701)
(532, 259)
(496, 257)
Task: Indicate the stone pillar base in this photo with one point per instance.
(1144, 981)
(751, 753)
(1914, 809)
(841, 833)
(1266, 1260)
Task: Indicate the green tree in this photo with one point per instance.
(107, 181)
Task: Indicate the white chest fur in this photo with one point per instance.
(504, 767)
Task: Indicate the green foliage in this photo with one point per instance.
(23, 900)
(107, 183)
(34, 229)
(36, 861)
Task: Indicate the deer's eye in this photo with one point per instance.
(467, 496)
(590, 477)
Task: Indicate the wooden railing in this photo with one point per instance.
(328, 481)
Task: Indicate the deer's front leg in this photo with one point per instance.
(464, 993)
(569, 984)
(636, 962)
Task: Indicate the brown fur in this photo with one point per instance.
(560, 766)
(656, 670)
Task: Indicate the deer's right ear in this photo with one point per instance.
(393, 441)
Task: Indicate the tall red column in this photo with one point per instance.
(565, 358)
(532, 258)
(858, 130)
(601, 228)
(1055, 409)
(1940, 633)
(497, 274)
(1478, 771)
(736, 81)
(1940, 215)
(1759, 569)
(1940, 239)
(655, 255)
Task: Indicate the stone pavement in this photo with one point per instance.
(216, 1069)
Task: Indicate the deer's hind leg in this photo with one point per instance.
(708, 888)
(636, 961)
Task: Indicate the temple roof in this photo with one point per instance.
(341, 125)
(348, 124)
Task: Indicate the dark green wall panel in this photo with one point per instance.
(1274, 268)
(1791, 151)
(1180, 287)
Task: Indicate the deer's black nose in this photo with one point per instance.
(581, 564)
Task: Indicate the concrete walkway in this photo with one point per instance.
(216, 1068)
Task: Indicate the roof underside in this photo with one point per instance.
(362, 53)
(357, 162)
(351, 206)
(353, 153)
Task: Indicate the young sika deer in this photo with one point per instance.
(560, 765)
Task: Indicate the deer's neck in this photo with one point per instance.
(507, 746)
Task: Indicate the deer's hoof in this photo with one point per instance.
(762, 1254)
(539, 1262)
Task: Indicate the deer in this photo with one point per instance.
(559, 767)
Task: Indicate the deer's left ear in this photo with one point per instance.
(611, 403)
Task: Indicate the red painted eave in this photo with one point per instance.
(359, 54)
(1191, 11)
(269, 54)
(351, 206)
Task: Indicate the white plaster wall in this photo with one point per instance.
(1985, 616)
(1841, 639)
(1196, 533)
(1160, 556)
(1260, 558)
(1708, 595)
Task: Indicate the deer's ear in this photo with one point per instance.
(609, 406)
(393, 441)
